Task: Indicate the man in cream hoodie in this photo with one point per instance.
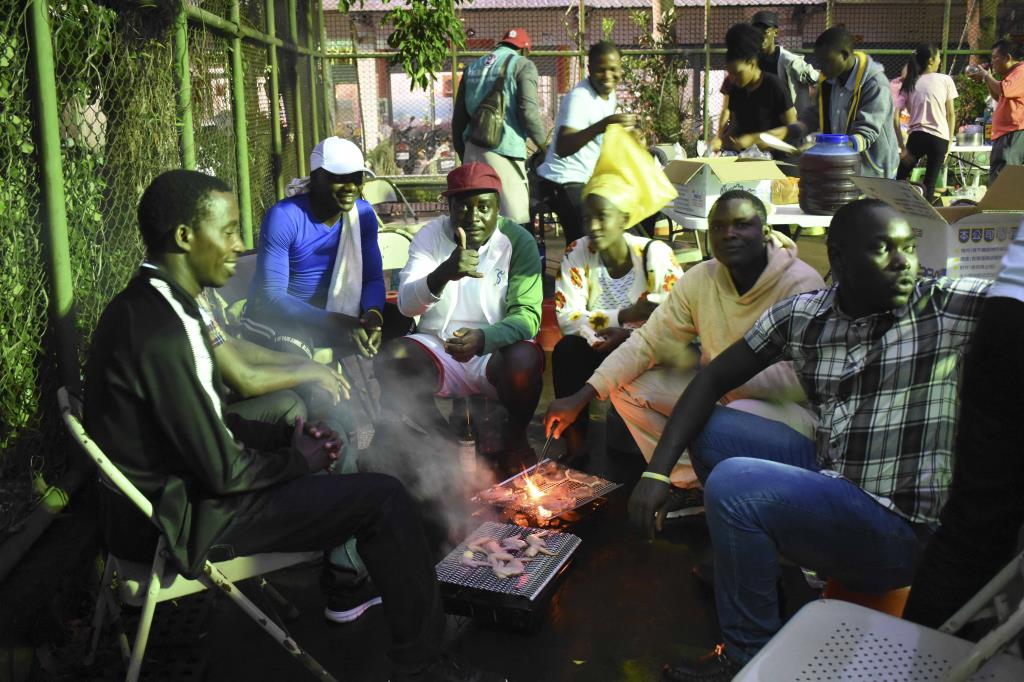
(474, 280)
(717, 301)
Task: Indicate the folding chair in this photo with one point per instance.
(383, 191)
(136, 584)
(837, 640)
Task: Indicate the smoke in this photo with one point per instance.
(427, 461)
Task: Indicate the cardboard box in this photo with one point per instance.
(958, 241)
(701, 181)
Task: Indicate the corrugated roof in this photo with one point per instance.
(383, 6)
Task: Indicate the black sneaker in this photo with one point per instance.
(449, 668)
(684, 502)
(346, 606)
(714, 666)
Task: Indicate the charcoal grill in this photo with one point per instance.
(517, 504)
(518, 601)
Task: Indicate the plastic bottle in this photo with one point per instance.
(826, 172)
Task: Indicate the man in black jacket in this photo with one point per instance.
(153, 403)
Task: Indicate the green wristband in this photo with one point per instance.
(656, 477)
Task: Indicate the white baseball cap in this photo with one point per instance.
(338, 156)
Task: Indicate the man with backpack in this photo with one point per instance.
(497, 99)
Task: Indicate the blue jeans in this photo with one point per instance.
(764, 497)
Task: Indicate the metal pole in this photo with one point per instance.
(325, 72)
(183, 79)
(300, 133)
(947, 13)
(455, 78)
(56, 254)
(277, 152)
(313, 106)
(707, 72)
(241, 133)
(582, 40)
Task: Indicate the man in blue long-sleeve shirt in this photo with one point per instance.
(319, 279)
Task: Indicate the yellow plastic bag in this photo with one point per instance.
(786, 191)
(629, 177)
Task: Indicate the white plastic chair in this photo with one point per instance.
(382, 191)
(394, 248)
(137, 584)
(835, 640)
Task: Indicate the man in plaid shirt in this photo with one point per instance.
(879, 355)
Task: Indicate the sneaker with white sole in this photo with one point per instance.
(345, 607)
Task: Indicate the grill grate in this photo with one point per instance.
(539, 571)
(599, 488)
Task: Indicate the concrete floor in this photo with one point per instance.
(624, 606)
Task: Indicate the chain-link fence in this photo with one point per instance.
(409, 131)
(119, 105)
(127, 108)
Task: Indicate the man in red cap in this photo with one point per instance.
(522, 118)
(474, 279)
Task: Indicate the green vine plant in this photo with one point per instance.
(423, 36)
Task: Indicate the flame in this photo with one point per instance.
(532, 489)
(544, 513)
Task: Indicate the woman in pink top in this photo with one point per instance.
(928, 96)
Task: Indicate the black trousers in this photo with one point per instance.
(573, 361)
(985, 511)
(933, 148)
(323, 511)
(295, 337)
(567, 202)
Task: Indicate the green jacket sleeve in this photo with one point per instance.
(524, 295)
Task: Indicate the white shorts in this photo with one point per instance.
(457, 379)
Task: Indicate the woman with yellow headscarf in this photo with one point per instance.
(610, 280)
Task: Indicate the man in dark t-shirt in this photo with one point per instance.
(758, 102)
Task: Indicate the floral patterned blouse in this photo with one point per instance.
(578, 289)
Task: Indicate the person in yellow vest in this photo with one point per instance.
(854, 99)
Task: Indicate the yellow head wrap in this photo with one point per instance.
(628, 177)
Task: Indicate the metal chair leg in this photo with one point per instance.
(291, 613)
(146, 616)
(102, 597)
(214, 579)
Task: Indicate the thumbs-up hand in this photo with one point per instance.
(462, 262)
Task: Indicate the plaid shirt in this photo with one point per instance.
(213, 330)
(885, 386)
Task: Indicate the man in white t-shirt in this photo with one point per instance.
(584, 115)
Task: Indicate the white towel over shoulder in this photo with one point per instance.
(346, 289)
